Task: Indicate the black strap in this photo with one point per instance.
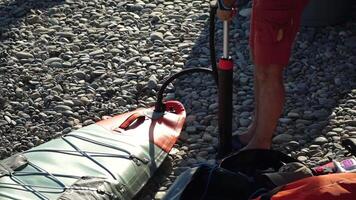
(255, 159)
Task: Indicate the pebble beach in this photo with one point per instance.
(65, 64)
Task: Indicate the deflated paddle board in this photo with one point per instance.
(112, 159)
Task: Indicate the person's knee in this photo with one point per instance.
(270, 73)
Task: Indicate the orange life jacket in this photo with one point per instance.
(339, 186)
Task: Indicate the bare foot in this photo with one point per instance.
(241, 140)
(248, 135)
(258, 143)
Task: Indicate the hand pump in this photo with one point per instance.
(225, 84)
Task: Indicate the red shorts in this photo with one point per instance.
(274, 26)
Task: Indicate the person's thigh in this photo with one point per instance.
(274, 25)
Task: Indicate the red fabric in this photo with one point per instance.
(163, 132)
(131, 119)
(268, 17)
(340, 186)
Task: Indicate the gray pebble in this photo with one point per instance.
(293, 115)
(62, 108)
(156, 36)
(49, 61)
(96, 52)
(79, 74)
(285, 120)
(321, 114)
(337, 130)
(23, 55)
(246, 12)
(302, 158)
(320, 140)
(207, 137)
(244, 122)
(65, 34)
(159, 195)
(191, 129)
(282, 138)
(3, 122)
(152, 82)
(213, 106)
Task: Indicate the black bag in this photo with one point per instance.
(239, 177)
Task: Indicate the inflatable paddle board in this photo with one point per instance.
(112, 159)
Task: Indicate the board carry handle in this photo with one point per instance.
(174, 106)
(138, 117)
(170, 106)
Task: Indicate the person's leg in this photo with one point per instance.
(269, 104)
(270, 43)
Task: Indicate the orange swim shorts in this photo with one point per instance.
(274, 26)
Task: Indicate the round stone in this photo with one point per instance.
(156, 36)
(282, 138)
(302, 158)
(320, 140)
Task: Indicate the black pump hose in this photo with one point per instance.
(212, 16)
(159, 106)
